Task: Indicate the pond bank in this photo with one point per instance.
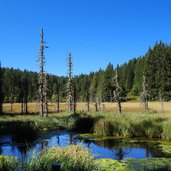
(108, 139)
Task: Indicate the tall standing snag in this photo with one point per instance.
(117, 93)
(45, 93)
(71, 96)
(42, 78)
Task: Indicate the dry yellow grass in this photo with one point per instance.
(126, 106)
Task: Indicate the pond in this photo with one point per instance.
(116, 148)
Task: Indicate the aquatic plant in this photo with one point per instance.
(149, 164)
(110, 165)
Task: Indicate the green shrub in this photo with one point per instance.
(167, 129)
(8, 163)
(84, 124)
(71, 158)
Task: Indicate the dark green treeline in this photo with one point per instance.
(155, 66)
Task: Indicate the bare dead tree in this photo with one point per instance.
(74, 98)
(1, 95)
(45, 93)
(41, 77)
(70, 87)
(144, 94)
(117, 93)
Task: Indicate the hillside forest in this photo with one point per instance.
(155, 66)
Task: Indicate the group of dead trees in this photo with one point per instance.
(43, 90)
(43, 84)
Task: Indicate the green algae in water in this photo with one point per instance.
(163, 146)
(149, 164)
(110, 165)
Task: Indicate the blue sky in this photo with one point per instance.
(95, 31)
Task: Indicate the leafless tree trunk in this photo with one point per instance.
(117, 93)
(42, 78)
(70, 87)
(144, 95)
(45, 93)
(74, 99)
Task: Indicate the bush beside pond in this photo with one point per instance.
(133, 125)
(71, 158)
(144, 124)
(8, 163)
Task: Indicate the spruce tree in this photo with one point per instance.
(107, 83)
(56, 95)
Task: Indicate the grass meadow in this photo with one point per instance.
(108, 107)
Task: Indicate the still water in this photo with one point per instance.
(112, 148)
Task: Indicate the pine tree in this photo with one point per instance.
(138, 79)
(130, 74)
(55, 96)
(1, 95)
(117, 93)
(107, 83)
(71, 96)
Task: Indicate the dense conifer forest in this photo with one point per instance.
(155, 65)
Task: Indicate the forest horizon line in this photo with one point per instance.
(155, 66)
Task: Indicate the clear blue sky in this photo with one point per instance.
(95, 31)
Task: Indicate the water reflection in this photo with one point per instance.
(113, 148)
